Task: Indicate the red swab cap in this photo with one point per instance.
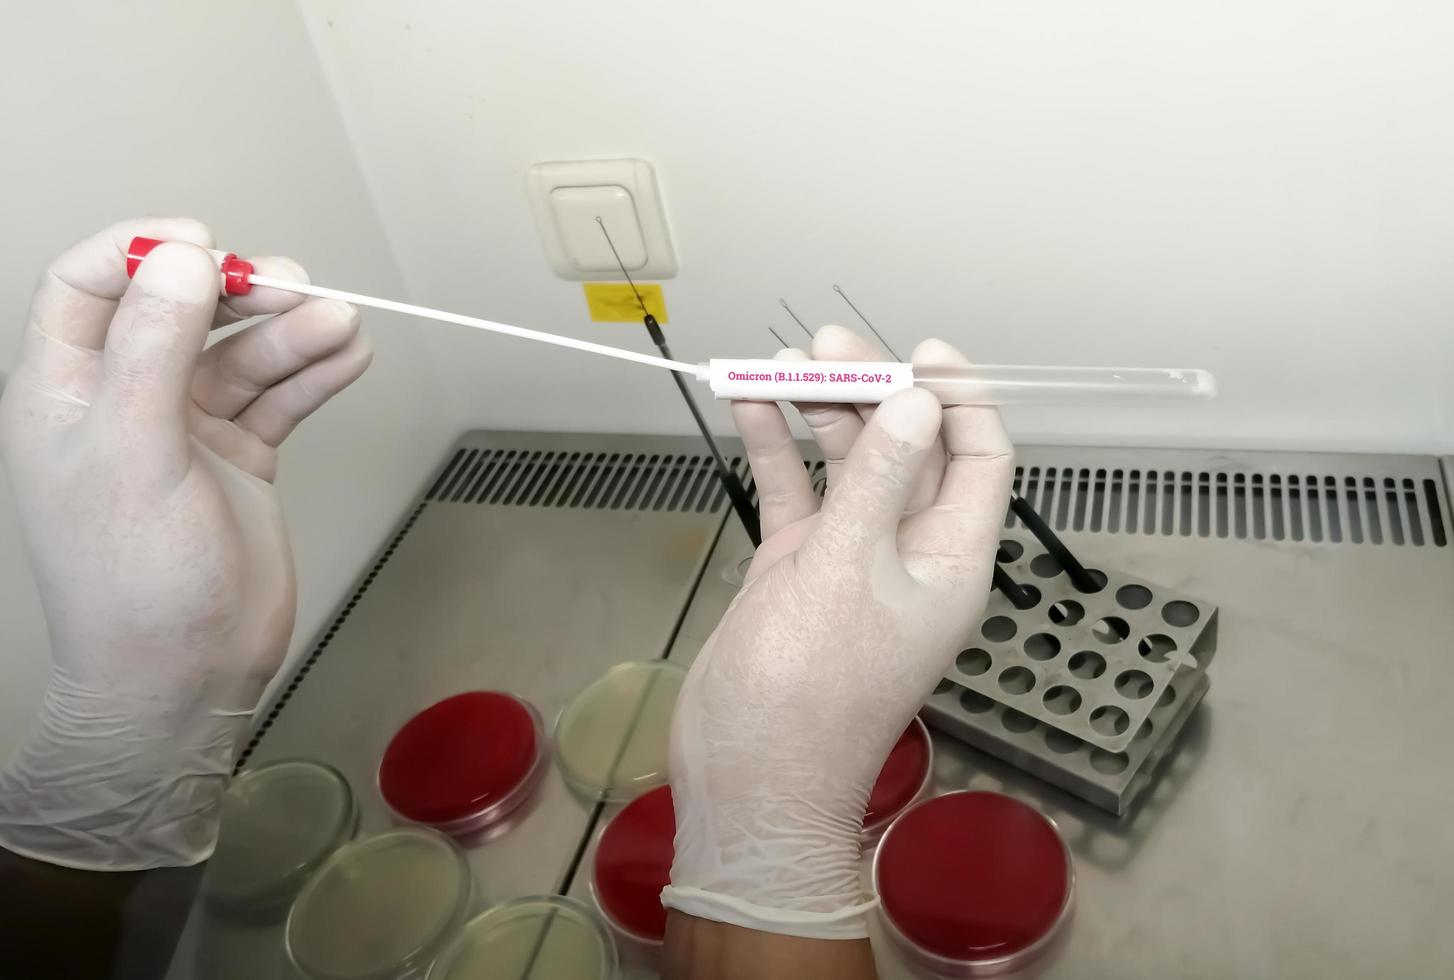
(236, 272)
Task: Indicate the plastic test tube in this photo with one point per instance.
(762, 379)
(982, 384)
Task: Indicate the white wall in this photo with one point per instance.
(115, 110)
(1258, 187)
(1254, 187)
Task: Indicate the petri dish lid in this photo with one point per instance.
(903, 779)
(611, 740)
(974, 878)
(381, 907)
(279, 823)
(544, 936)
(633, 865)
(464, 762)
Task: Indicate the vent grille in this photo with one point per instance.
(1260, 506)
(603, 481)
(1378, 509)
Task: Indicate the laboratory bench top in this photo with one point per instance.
(1298, 827)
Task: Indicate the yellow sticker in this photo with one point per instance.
(614, 302)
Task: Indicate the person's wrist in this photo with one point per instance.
(795, 872)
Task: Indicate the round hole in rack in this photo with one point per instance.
(1098, 577)
(1144, 732)
(1018, 722)
(1180, 613)
(1087, 664)
(1009, 551)
(1062, 699)
(1133, 596)
(1016, 680)
(1046, 566)
(1066, 612)
(1061, 742)
(1134, 684)
(975, 703)
(1112, 629)
(1041, 646)
(944, 686)
(998, 629)
(1110, 763)
(1168, 696)
(1109, 720)
(974, 661)
(1156, 647)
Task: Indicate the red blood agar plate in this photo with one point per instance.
(633, 865)
(464, 763)
(973, 884)
(903, 780)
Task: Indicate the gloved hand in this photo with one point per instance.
(849, 615)
(142, 467)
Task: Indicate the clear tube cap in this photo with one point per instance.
(1004, 384)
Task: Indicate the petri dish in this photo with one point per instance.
(279, 823)
(611, 740)
(539, 936)
(381, 908)
(464, 763)
(973, 884)
(904, 779)
(633, 865)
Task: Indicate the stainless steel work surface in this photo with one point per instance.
(533, 599)
(1299, 828)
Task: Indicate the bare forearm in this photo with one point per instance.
(700, 949)
(61, 922)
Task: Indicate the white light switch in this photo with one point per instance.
(566, 198)
(576, 209)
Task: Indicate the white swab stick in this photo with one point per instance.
(394, 306)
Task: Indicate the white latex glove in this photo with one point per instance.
(849, 616)
(142, 467)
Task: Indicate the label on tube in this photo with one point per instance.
(765, 380)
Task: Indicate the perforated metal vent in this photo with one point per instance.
(607, 481)
(1354, 508)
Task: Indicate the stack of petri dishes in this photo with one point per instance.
(381, 908)
(973, 884)
(464, 764)
(280, 823)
